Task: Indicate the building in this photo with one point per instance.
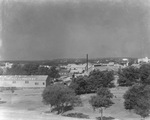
(45, 66)
(136, 65)
(64, 72)
(78, 69)
(144, 60)
(33, 81)
(109, 66)
(8, 65)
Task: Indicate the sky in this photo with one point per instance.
(52, 29)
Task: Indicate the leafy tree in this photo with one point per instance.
(137, 98)
(59, 97)
(43, 71)
(31, 69)
(1, 71)
(145, 74)
(16, 69)
(80, 85)
(52, 74)
(101, 100)
(90, 84)
(128, 76)
(99, 79)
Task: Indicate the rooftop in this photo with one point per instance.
(23, 77)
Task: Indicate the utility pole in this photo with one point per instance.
(87, 62)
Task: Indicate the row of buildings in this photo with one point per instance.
(66, 73)
(23, 81)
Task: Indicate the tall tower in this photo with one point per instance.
(87, 62)
(1, 24)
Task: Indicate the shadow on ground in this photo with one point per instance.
(1, 102)
(65, 109)
(105, 118)
(77, 115)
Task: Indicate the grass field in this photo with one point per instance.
(27, 105)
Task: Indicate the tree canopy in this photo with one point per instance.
(145, 74)
(101, 100)
(95, 80)
(137, 98)
(128, 76)
(59, 97)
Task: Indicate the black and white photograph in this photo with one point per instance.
(74, 59)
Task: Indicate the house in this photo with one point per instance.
(24, 81)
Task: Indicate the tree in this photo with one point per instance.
(128, 76)
(31, 69)
(43, 71)
(1, 71)
(99, 79)
(137, 98)
(16, 69)
(52, 74)
(95, 80)
(145, 74)
(59, 97)
(80, 85)
(101, 100)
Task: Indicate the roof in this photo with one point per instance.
(24, 77)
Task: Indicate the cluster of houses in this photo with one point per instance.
(66, 73)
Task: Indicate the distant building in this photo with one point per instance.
(64, 72)
(8, 65)
(74, 68)
(125, 62)
(109, 66)
(33, 81)
(46, 66)
(144, 60)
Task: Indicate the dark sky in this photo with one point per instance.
(48, 30)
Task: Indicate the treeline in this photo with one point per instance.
(131, 75)
(95, 80)
(30, 69)
(137, 97)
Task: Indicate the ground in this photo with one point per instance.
(27, 105)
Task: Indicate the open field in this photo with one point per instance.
(27, 105)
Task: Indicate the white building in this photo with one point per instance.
(8, 65)
(78, 69)
(32, 81)
(143, 60)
